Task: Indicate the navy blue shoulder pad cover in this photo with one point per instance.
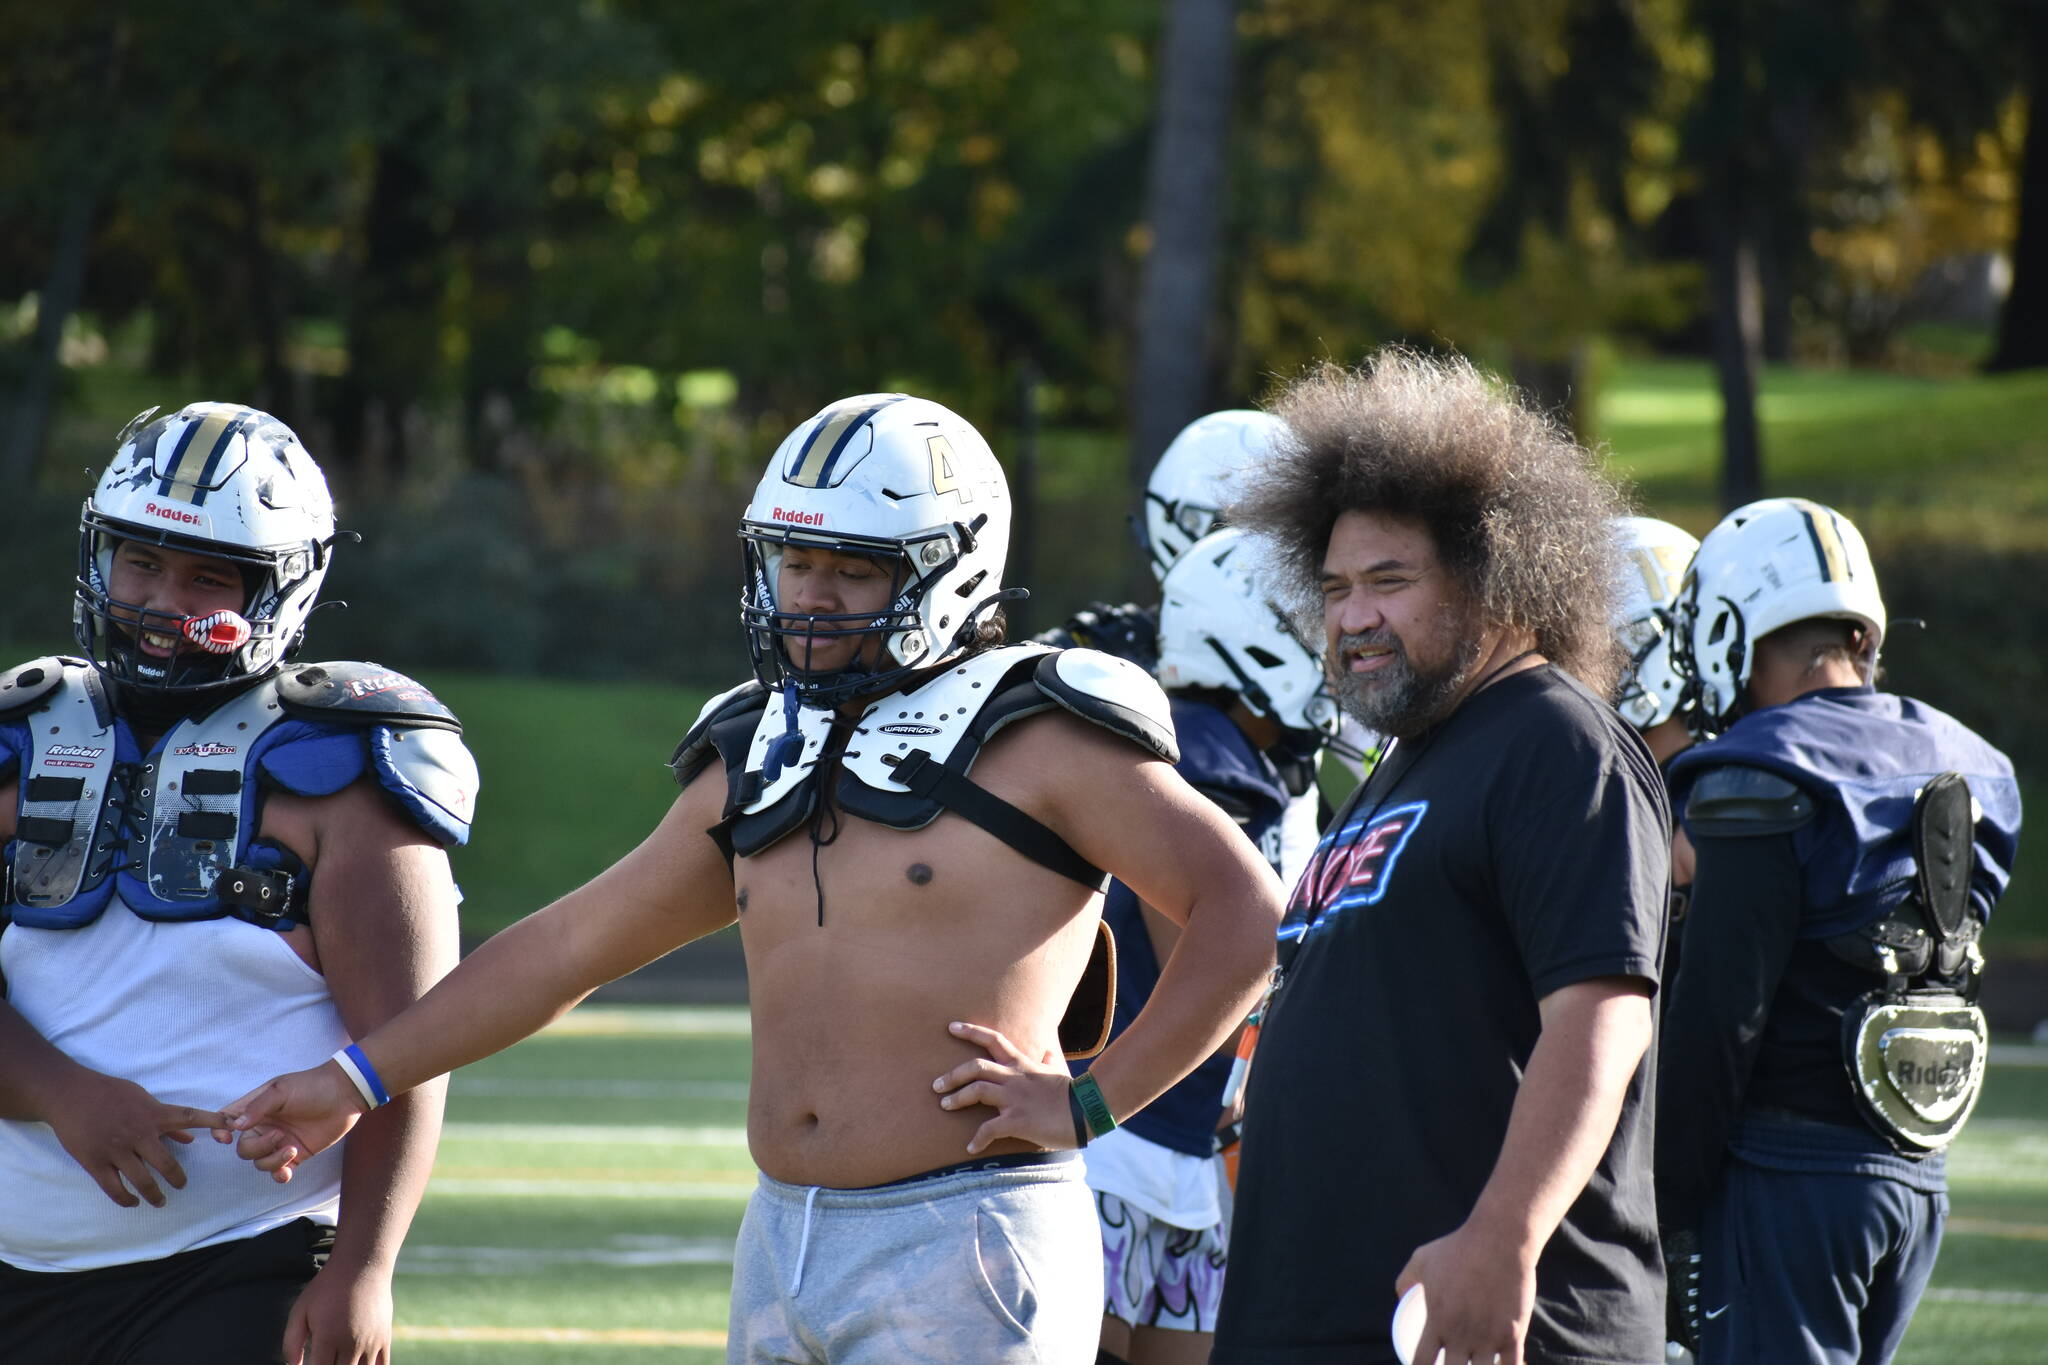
(1736, 800)
(352, 693)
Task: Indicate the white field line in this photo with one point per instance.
(597, 1134)
(2019, 1054)
(2019, 1298)
(565, 1087)
(562, 1336)
(623, 1188)
(626, 1252)
(643, 1021)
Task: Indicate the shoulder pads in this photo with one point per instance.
(23, 687)
(430, 771)
(698, 748)
(1736, 801)
(1113, 693)
(349, 693)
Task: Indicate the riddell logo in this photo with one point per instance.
(790, 514)
(172, 513)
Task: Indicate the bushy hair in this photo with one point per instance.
(1522, 516)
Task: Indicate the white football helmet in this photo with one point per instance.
(898, 478)
(1654, 556)
(1191, 484)
(1220, 628)
(215, 479)
(1765, 566)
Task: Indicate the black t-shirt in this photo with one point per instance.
(1525, 848)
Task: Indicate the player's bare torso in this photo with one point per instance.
(920, 928)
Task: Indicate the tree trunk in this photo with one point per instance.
(2023, 325)
(1736, 307)
(393, 332)
(54, 306)
(274, 392)
(1184, 208)
(1554, 385)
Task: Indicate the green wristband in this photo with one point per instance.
(1100, 1120)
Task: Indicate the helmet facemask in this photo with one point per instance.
(910, 633)
(280, 587)
(223, 482)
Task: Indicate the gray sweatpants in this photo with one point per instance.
(995, 1267)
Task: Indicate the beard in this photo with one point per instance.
(1401, 698)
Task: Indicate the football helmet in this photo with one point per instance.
(1220, 628)
(216, 479)
(901, 480)
(1191, 484)
(1654, 556)
(1766, 565)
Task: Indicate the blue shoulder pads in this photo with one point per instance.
(1737, 801)
(1113, 693)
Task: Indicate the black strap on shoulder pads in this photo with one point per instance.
(976, 804)
(1944, 842)
(352, 693)
(1742, 802)
(24, 687)
(735, 715)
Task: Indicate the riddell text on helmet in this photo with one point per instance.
(171, 513)
(791, 514)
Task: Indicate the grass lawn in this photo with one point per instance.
(591, 1182)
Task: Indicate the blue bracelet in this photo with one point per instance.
(367, 1081)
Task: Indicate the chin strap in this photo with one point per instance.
(787, 747)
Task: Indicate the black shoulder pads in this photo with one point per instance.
(350, 693)
(1738, 801)
(23, 687)
(743, 704)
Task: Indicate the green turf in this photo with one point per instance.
(574, 776)
(594, 1181)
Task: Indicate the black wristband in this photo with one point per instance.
(1080, 1118)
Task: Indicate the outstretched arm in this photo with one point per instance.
(673, 888)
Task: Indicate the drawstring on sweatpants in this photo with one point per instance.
(803, 1243)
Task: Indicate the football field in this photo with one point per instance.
(592, 1179)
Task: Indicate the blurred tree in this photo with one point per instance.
(1172, 381)
(2023, 325)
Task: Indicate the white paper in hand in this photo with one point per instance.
(1409, 1316)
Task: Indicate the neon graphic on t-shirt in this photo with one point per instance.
(1351, 867)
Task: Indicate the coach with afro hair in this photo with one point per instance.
(1453, 1083)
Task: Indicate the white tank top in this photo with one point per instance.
(198, 1013)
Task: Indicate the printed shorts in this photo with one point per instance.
(1155, 1274)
